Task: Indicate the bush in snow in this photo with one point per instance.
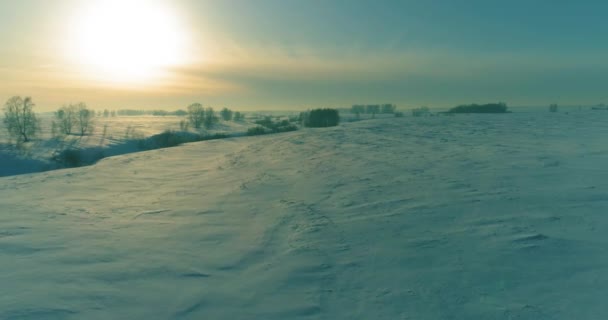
(238, 116)
(278, 126)
(258, 130)
(78, 157)
(319, 118)
(226, 114)
(419, 112)
(167, 139)
(553, 108)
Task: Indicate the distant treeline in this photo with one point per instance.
(320, 118)
(373, 108)
(500, 107)
(133, 112)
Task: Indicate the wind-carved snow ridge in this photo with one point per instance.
(464, 217)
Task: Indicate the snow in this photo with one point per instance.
(111, 136)
(460, 217)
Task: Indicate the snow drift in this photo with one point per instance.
(465, 217)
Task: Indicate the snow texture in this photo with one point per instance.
(463, 217)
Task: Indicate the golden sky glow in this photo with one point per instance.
(273, 54)
(126, 42)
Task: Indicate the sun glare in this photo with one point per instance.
(127, 41)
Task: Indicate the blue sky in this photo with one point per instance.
(296, 54)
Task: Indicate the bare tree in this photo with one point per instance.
(66, 118)
(226, 114)
(75, 117)
(210, 118)
(20, 119)
(84, 119)
(196, 115)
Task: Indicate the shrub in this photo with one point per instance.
(278, 126)
(180, 113)
(78, 157)
(19, 118)
(553, 108)
(266, 122)
(255, 131)
(167, 139)
(319, 118)
(483, 108)
(69, 158)
(286, 128)
(215, 136)
(184, 125)
(398, 114)
(388, 108)
(419, 112)
(226, 114)
(238, 116)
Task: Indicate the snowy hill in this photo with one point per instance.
(464, 217)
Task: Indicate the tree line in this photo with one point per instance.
(373, 109)
(199, 117)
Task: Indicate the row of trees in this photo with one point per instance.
(373, 109)
(320, 118)
(22, 123)
(74, 118)
(499, 107)
(228, 115)
(199, 117)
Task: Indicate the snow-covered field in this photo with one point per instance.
(115, 135)
(461, 217)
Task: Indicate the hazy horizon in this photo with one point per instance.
(272, 54)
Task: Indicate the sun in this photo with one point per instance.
(126, 41)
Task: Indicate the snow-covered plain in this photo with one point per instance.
(113, 135)
(461, 217)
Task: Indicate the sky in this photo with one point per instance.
(298, 54)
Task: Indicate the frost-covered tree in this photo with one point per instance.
(196, 115)
(238, 116)
(226, 114)
(66, 119)
(75, 117)
(84, 119)
(210, 118)
(20, 119)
